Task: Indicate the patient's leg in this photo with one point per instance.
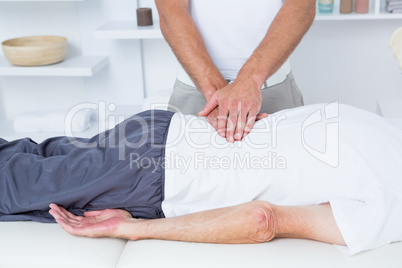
(252, 222)
(50, 147)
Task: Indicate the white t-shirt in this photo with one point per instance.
(233, 29)
(303, 156)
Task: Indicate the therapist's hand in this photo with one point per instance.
(238, 105)
(212, 118)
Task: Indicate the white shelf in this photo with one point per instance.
(354, 16)
(377, 11)
(128, 30)
(85, 66)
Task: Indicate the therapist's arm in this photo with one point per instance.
(181, 33)
(240, 101)
(252, 222)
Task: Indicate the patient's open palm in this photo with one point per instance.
(99, 223)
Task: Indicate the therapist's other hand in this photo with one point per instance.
(238, 104)
(98, 223)
(212, 118)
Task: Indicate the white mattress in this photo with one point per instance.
(31, 244)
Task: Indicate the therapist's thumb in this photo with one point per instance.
(209, 107)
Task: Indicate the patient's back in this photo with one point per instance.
(300, 156)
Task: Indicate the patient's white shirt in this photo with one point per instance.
(303, 156)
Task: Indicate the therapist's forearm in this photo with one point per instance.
(181, 33)
(285, 33)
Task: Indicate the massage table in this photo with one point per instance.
(32, 244)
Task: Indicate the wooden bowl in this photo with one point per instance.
(35, 50)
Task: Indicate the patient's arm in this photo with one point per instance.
(252, 222)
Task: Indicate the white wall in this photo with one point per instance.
(160, 63)
(34, 93)
(2, 111)
(120, 82)
(348, 61)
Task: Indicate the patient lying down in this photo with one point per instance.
(324, 172)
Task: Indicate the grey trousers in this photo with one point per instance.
(110, 170)
(188, 100)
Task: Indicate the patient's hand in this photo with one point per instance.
(99, 223)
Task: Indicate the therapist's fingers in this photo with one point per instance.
(212, 118)
(222, 121)
(250, 123)
(258, 118)
(214, 123)
(234, 110)
(261, 116)
(241, 122)
(210, 106)
(231, 126)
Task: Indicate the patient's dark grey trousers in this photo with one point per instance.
(121, 168)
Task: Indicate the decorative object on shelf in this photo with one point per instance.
(35, 50)
(362, 6)
(325, 6)
(346, 6)
(144, 17)
(396, 45)
(394, 6)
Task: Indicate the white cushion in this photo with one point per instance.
(278, 253)
(32, 244)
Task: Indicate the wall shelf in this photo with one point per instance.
(41, 0)
(354, 16)
(377, 11)
(84, 66)
(128, 30)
